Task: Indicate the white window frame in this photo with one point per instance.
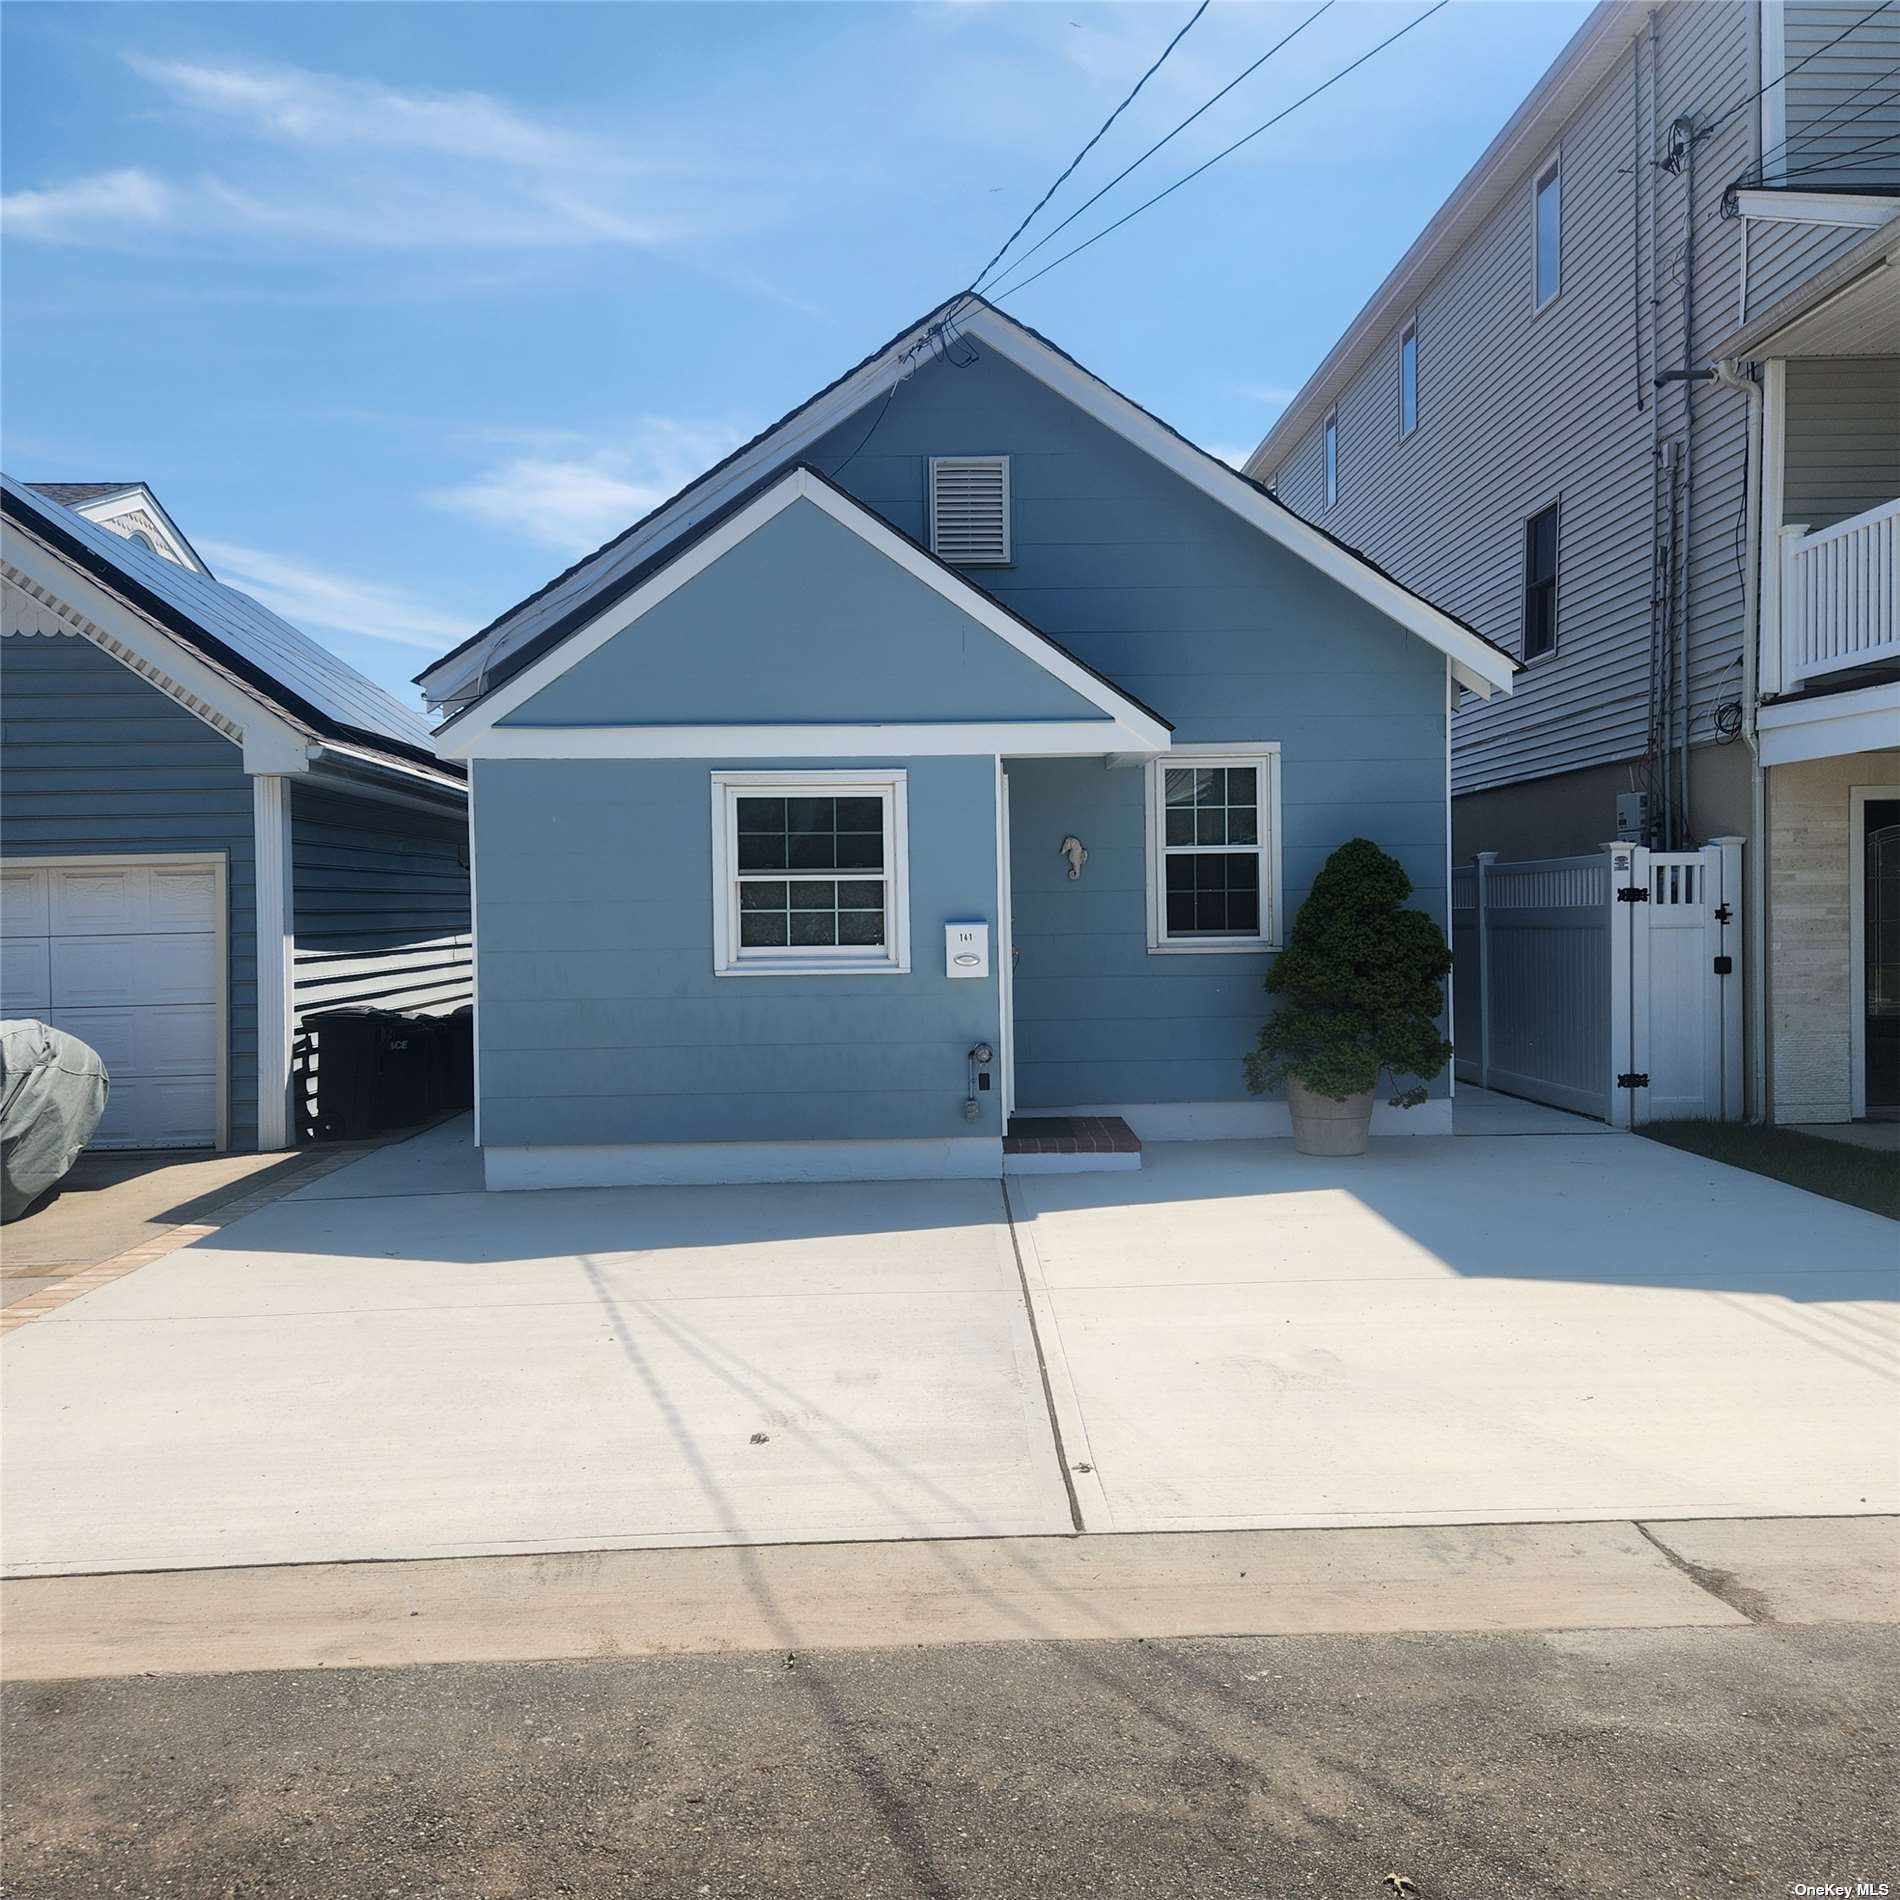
(1553, 504)
(892, 957)
(1552, 167)
(937, 462)
(1408, 334)
(1329, 455)
(1265, 757)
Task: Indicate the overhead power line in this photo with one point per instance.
(1023, 283)
(1248, 73)
(1091, 145)
(1787, 73)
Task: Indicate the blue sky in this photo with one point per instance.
(399, 308)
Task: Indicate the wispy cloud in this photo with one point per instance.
(574, 502)
(312, 157)
(117, 199)
(1273, 395)
(321, 600)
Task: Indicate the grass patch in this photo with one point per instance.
(1862, 1177)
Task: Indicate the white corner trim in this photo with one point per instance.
(1478, 664)
(732, 1163)
(1264, 753)
(270, 810)
(1251, 1120)
(890, 787)
(1830, 725)
(1041, 739)
(466, 734)
(1849, 210)
(1771, 67)
(271, 743)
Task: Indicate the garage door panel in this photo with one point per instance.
(25, 977)
(159, 1112)
(23, 904)
(110, 972)
(181, 899)
(135, 1042)
(88, 900)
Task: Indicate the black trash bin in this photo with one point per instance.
(374, 1070)
(454, 1053)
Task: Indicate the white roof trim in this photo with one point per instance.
(1851, 210)
(104, 510)
(271, 742)
(1007, 738)
(1475, 662)
(478, 733)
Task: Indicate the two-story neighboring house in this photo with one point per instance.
(1631, 406)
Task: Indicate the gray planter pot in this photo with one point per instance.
(1322, 1126)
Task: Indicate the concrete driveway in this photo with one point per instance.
(391, 1363)
(1522, 1328)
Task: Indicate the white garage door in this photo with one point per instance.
(125, 954)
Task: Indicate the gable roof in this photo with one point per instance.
(81, 497)
(609, 611)
(468, 671)
(274, 662)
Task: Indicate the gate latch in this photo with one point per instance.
(1723, 914)
(1724, 966)
(1632, 894)
(1632, 1081)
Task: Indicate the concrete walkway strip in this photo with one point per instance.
(863, 1596)
(1794, 1569)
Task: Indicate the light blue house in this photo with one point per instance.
(957, 752)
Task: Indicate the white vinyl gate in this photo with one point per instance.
(1608, 984)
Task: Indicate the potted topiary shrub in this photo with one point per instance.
(1360, 988)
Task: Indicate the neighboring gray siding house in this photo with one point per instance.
(210, 827)
(960, 749)
(1630, 405)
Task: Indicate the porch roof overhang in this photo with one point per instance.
(500, 724)
(1830, 723)
(1852, 308)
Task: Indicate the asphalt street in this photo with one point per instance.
(1741, 1760)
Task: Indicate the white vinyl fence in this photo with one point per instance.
(1608, 984)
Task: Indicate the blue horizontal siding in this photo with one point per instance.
(96, 761)
(602, 1021)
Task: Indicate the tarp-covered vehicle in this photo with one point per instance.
(52, 1093)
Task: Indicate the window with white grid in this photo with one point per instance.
(1213, 852)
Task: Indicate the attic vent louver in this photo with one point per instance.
(969, 509)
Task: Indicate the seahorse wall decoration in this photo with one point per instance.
(1077, 853)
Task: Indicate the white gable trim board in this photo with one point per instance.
(130, 954)
(478, 733)
(1477, 665)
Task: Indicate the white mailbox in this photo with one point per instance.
(966, 949)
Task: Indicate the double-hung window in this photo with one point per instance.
(809, 873)
(1540, 583)
(1213, 849)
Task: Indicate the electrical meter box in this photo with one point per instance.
(1632, 817)
(966, 949)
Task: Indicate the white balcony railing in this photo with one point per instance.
(1840, 596)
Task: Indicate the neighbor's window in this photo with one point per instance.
(1332, 458)
(1408, 378)
(1548, 233)
(809, 873)
(1212, 853)
(1540, 583)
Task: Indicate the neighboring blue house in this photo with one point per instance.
(210, 827)
(959, 749)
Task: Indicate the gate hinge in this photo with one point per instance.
(1724, 966)
(1632, 1081)
(1632, 894)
